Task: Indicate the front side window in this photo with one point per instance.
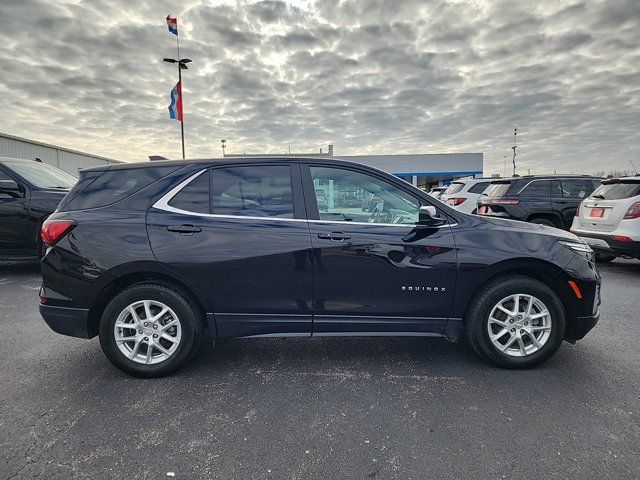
(252, 191)
(349, 196)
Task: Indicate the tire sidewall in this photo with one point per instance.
(503, 289)
(184, 311)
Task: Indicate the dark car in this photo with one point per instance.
(547, 200)
(155, 257)
(29, 192)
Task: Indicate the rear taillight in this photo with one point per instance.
(622, 238)
(505, 201)
(633, 212)
(457, 200)
(54, 230)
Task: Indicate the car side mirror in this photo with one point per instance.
(10, 187)
(428, 216)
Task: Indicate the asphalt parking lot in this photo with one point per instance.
(371, 408)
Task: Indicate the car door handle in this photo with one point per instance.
(334, 236)
(184, 229)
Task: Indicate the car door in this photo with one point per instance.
(566, 195)
(240, 233)
(374, 271)
(15, 229)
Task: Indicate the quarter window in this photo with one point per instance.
(575, 189)
(253, 191)
(479, 187)
(349, 196)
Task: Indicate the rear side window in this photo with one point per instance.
(115, 185)
(498, 189)
(252, 191)
(195, 196)
(537, 188)
(455, 187)
(616, 191)
(479, 187)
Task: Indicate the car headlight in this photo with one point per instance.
(580, 248)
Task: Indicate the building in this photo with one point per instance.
(423, 170)
(64, 158)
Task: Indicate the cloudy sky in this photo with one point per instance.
(374, 76)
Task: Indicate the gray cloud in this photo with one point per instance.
(369, 76)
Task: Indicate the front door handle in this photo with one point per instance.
(334, 236)
(184, 229)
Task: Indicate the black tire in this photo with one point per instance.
(477, 318)
(544, 221)
(189, 316)
(602, 258)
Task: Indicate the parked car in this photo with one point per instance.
(549, 200)
(463, 194)
(436, 192)
(29, 192)
(155, 257)
(609, 219)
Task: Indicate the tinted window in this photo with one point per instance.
(617, 191)
(497, 189)
(195, 196)
(42, 175)
(479, 187)
(255, 191)
(345, 195)
(115, 185)
(455, 187)
(537, 188)
(577, 188)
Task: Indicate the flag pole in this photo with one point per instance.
(181, 94)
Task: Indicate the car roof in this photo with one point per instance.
(541, 177)
(634, 179)
(225, 161)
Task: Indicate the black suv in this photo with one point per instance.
(548, 200)
(152, 257)
(29, 192)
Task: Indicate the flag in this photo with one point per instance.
(175, 108)
(172, 23)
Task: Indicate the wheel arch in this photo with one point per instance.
(554, 217)
(120, 283)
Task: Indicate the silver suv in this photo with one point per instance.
(609, 219)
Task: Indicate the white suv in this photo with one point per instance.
(609, 219)
(463, 194)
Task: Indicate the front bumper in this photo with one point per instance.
(580, 327)
(73, 322)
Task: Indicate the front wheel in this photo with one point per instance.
(149, 330)
(516, 322)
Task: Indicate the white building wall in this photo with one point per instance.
(70, 161)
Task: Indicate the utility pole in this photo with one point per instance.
(505, 166)
(223, 142)
(515, 145)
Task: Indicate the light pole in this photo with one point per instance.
(515, 132)
(223, 142)
(182, 65)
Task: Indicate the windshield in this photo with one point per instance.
(42, 175)
(616, 191)
(497, 189)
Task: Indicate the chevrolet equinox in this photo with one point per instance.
(154, 257)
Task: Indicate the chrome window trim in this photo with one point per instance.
(163, 204)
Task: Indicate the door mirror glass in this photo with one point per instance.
(10, 187)
(428, 216)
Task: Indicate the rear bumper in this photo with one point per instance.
(605, 243)
(67, 321)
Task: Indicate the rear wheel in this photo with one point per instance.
(149, 330)
(515, 322)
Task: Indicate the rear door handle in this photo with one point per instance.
(184, 229)
(334, 236)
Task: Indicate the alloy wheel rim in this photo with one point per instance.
(148, 332)
(519, 325)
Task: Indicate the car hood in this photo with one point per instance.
(533, 228)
